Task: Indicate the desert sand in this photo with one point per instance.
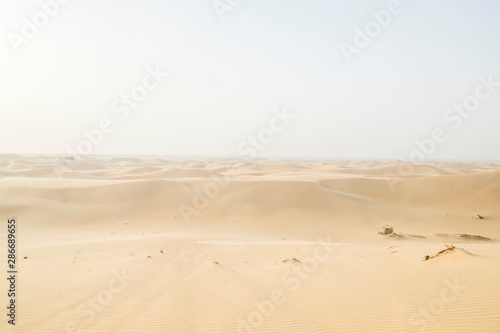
(207, 245)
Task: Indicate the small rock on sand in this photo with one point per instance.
(387, 230)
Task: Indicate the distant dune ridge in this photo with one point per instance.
(206, 245)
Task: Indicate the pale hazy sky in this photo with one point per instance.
(227, 77)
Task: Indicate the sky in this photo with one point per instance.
(411, 80)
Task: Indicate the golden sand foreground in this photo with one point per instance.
(155, 245)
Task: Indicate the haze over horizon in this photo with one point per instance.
(232, 82)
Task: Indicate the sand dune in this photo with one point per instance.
(166, 245)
